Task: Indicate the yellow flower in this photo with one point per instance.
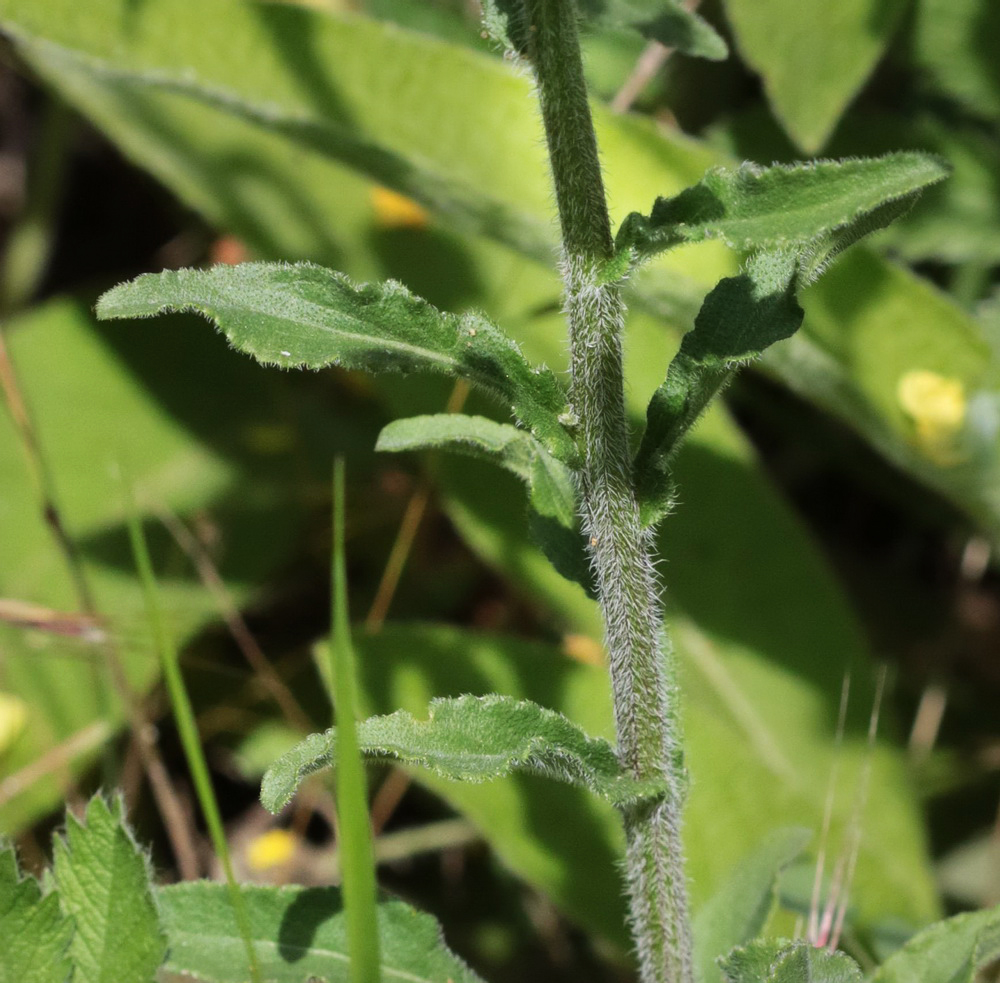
(271, 849)
(13, 717)
(937, 405)
(396, 211)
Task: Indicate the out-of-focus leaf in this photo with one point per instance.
(305, 316)
(953, 950)
(739, 910)
(957, 44)
(299, 933)
(35, 932)
(105, 886)
(233, 444)
(471, 739)
(813, 56)
(781, 961)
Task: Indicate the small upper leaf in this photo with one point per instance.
(554, 519)
(739, 319)
(752, 207)
(666, 21)
(302, 315)
(782, 961)
(104, 885)
(953, 950)
(471, 739)
(299, 933)
(34, 932)
(738, 911)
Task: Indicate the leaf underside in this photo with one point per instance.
(472, 739)
(553, 517)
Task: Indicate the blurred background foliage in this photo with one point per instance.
(839, 513)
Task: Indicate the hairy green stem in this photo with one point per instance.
(649, 740)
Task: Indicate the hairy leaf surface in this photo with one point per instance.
(824, 205)
(35, 933)
(666, 21)
(738, 911)
(301, 315)
(299, 933)
(472, 739)
(741, 317)
(781, 961)
(104, 886)
(954, 950)
(554, 517)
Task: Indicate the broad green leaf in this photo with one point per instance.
(666, 21)
(957, 45)
(824, 206)
(104, 395)
(305, 316)
(950, 951)
(741, 317)
(743, 666)
(554, 520)
(781, 961)
(299, 933)
(738, 911)
(34, 931)
(104, 885)
(471, 739)
(813, 56)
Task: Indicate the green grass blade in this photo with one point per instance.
(188, 730)
(357, 857)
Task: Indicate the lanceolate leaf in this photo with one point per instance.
(554, 518)
(781, 961)
(299, 934)
(738, 911)
(34, 932)
(471, 739)
(741, 317)
(104, 885)
(751, 207)
(301, 315)
(953, 950)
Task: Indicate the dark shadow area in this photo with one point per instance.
(431, 262)
(302, 919)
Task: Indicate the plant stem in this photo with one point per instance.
(641, 664)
